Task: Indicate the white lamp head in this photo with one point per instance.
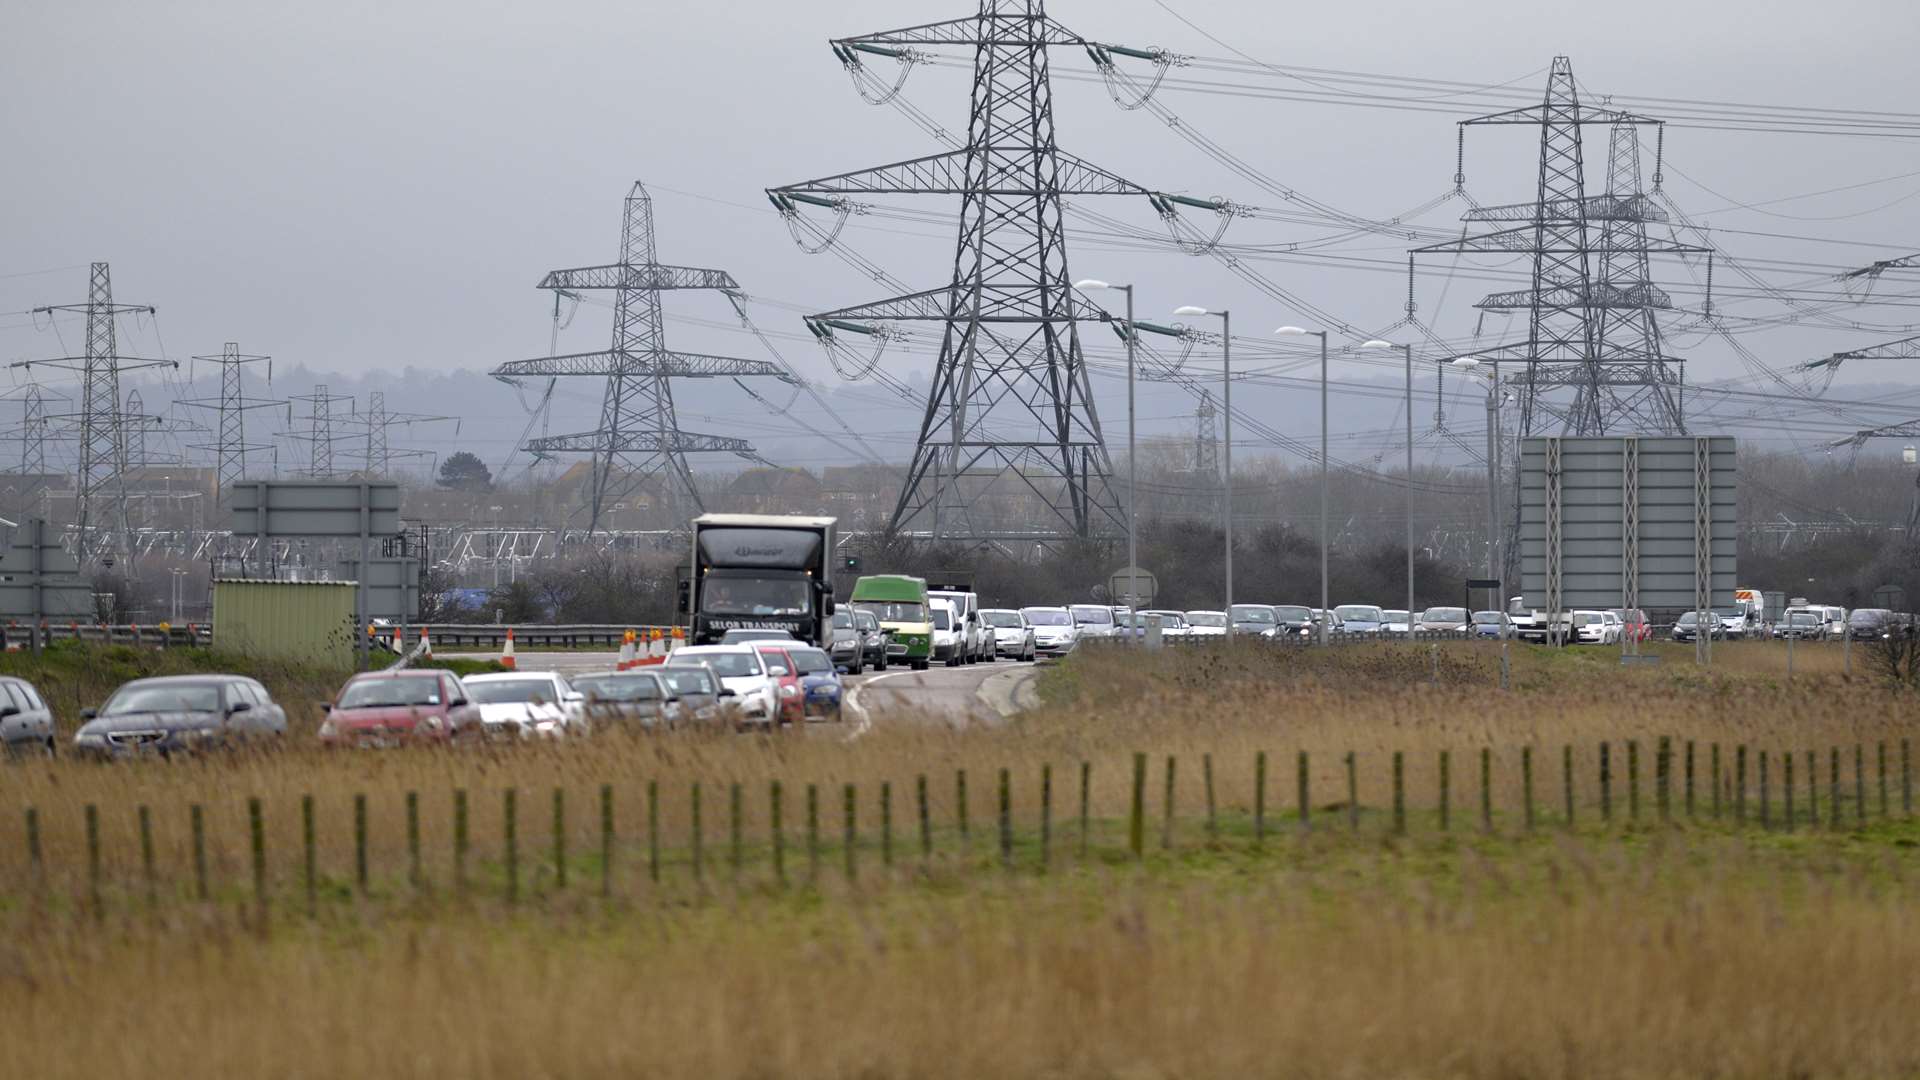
(1090, 284)
(1290, 331)
(1466, 361)
(1376, 343)
(1189, 309)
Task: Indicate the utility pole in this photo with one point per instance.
(102, 435)
(639, 435)
(230, 448)
(1010, 407)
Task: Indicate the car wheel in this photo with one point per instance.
(917, 665)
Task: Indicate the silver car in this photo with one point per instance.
(1011, 634)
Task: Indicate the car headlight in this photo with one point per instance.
(327, 729)
(789, 691)
(89, 738)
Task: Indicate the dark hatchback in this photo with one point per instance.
(180, 713)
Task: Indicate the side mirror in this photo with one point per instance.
(239, 707)
(727, 692)
(9, 710)
(326, 706)
(575, 695)
(88, 714)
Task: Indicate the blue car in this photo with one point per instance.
(820, 687)
(1491, 624)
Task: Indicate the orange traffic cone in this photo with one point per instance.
(506, 654)
(399, 642)
(626, 652)
(426, 645)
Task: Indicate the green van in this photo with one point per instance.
(900, 603)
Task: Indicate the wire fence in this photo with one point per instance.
(513, 844)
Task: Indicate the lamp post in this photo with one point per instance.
(1226, 392)
(1326, 608)
(1407, 351)
(1471, 365)
(1133, 582)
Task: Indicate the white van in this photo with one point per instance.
(977, 641)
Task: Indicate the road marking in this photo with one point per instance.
(853, 702)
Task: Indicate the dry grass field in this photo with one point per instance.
(1682, 924)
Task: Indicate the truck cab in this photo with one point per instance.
(760, 572)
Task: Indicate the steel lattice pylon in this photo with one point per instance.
(1591, 304)
(1206, 440)
(102, 431)
(1010, 407)
(639, 435)
(230, 448)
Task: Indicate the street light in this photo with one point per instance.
(1226, 389)
(1326, 609)
(1407, 350)
(1471, 366)
(1133, 582)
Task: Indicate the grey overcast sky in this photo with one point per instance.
(362, 188)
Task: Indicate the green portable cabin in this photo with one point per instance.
(900, 604)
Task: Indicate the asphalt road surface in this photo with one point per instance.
(975, 694)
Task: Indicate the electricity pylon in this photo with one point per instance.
(377, 457)
(1010, 406)
(231, 448)
(1206, 440)
(638, 436)
(320, 436)
(102, 432)
(1591, 305)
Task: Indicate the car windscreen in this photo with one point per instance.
(1804, 618)
(511, 691)
(894, 611)
(1006, 619)
(1206, 618)
(1869, 616)
(1046, 617)
(163, 697)
(755, 595)
(1487, 618)
(727, 665)
(390, 690)
(843, 619)
(865, 620)
(1587, 618)
(811, 661)
(1295, 614)
(618, 687)
(1728, 613)
(1687, 618)
(1242, 613)
(687, 679)
(1357, 613)
(1097, 616)
(1445, 614)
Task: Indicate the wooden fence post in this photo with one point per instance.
(1689, 779)
(1880, 763)
(1046, 814)
(1786, 788)
(1715, 767)
(606, 840)
(414, 875)
(309, 856)
(257, 829)
(1606, 783)
(1137, 815)
(1526, 784)
(559, 838)
(1446, 790)
(1166, 807)
(850, 808)
(1353, 792)
(1006, 818)
(1633, 781)
(736, 851)
(960, 803)
(1859, 784)
(1566, 779)
(146, 857)
(813, 833)
(1740, 784)
(92, 814)
(1086, 786)
(360, 842)
(1906, 778)
(886, 823)
(1259, 798)
(776, 835)
(1399, 792)
(1765, 818)
(460, 839)
(34, 857)
(1306, 801)
(510, 810)
(1206, 776)
(197, 820)
(1837, 801)
(1663, 778)
(1813, 789)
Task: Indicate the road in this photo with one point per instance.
(977, 694)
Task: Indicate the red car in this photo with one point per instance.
(388, 708)
(786, 680)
